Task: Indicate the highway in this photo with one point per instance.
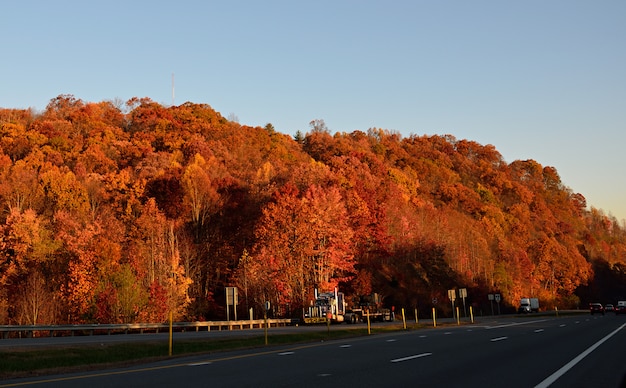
(534, 351)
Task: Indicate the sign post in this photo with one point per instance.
(463, 295)
(490, 297)
(497, 297)
(452, 296)
(267, 308)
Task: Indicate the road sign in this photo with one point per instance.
(497, 297)
(231, 300)
(231, 296)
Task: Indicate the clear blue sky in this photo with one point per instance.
(542, 80)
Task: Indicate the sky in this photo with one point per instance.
(541, 80)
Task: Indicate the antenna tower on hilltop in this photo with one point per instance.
(172, 89)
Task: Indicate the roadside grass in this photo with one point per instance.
(51, 360)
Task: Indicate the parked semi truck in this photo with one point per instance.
(328, 306)
(528, 305)
(333, 307)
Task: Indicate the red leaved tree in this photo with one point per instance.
(304, 242)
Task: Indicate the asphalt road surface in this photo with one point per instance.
(536, 351)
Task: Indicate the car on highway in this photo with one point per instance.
(609, 308)
(621, 307)
(596, 308)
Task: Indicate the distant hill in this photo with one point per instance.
(124, 213)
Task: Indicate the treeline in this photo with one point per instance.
(125, 212)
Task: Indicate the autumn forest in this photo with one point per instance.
(119, 212)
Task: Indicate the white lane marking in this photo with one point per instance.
(555, 376)
(285, 353)
(411, 357)
(200, 363)
(324, 375)
(538, 330)
(514, 324)
(499, 339)
(423, 336)
(562, 325)
(447, 333)
(577, 322)
(391, 340)
(345, 346)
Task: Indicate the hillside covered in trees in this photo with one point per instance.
(122, 213)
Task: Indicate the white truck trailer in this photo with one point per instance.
(528, 305)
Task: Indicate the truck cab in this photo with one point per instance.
(528, 305)
(328, 306)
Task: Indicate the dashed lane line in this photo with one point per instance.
(499, 339)
(200, 363)
(411, 357)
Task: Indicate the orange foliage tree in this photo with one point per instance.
(303, 243)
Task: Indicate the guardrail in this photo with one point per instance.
(7, 331)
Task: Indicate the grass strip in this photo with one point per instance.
(70, 358)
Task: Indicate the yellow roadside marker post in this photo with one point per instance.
(171, 335)
(267, 307)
